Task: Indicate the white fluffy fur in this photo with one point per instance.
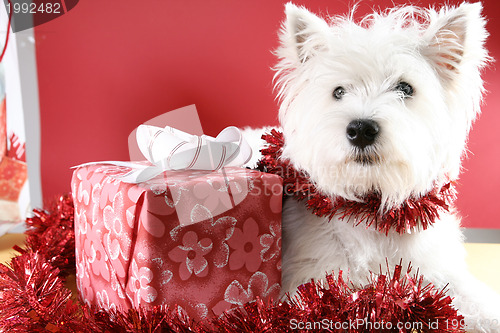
(421, 142)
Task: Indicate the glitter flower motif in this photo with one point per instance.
(82, 194)
(83, 271)
(191, 255)
(113, 215)
(116, 285)
(271, 242)
(87, 293)
(103, 301)
(116, 241)
(227, 223)
(171, 191)
(95, 205)
(200, 309)
(247, 247)
(109, 188)
(236, 294)
(139, 284)
(82, 189)
(240, 185)
(97, 258)
(80, 221)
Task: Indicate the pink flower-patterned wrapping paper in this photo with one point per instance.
(200, 241)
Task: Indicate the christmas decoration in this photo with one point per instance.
(33, 298)
(413, 213)
(389, 304)
(17, 148)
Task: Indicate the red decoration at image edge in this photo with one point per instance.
(34, 298)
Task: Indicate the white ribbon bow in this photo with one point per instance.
(171, 149)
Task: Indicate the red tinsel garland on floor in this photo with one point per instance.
(33, 297)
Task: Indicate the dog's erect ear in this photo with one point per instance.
(303, 34)
(455, 40)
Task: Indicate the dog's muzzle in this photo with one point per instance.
(362, 132)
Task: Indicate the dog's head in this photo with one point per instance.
(384, 104)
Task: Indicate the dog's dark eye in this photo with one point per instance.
(338, 93)
(405, 88)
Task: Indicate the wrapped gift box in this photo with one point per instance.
(201, 241)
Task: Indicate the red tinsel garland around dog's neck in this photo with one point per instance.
(412, 214)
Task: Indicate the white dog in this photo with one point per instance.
(381, 106)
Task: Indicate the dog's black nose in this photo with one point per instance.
(362, 132)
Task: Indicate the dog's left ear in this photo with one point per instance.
(303, 34)
(455, 40)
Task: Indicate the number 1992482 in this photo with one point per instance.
(33, 8)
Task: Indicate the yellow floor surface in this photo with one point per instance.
(6, 243)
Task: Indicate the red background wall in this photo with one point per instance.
(107, 66)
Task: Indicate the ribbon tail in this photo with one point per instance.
(117, 163)
(140, 175)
